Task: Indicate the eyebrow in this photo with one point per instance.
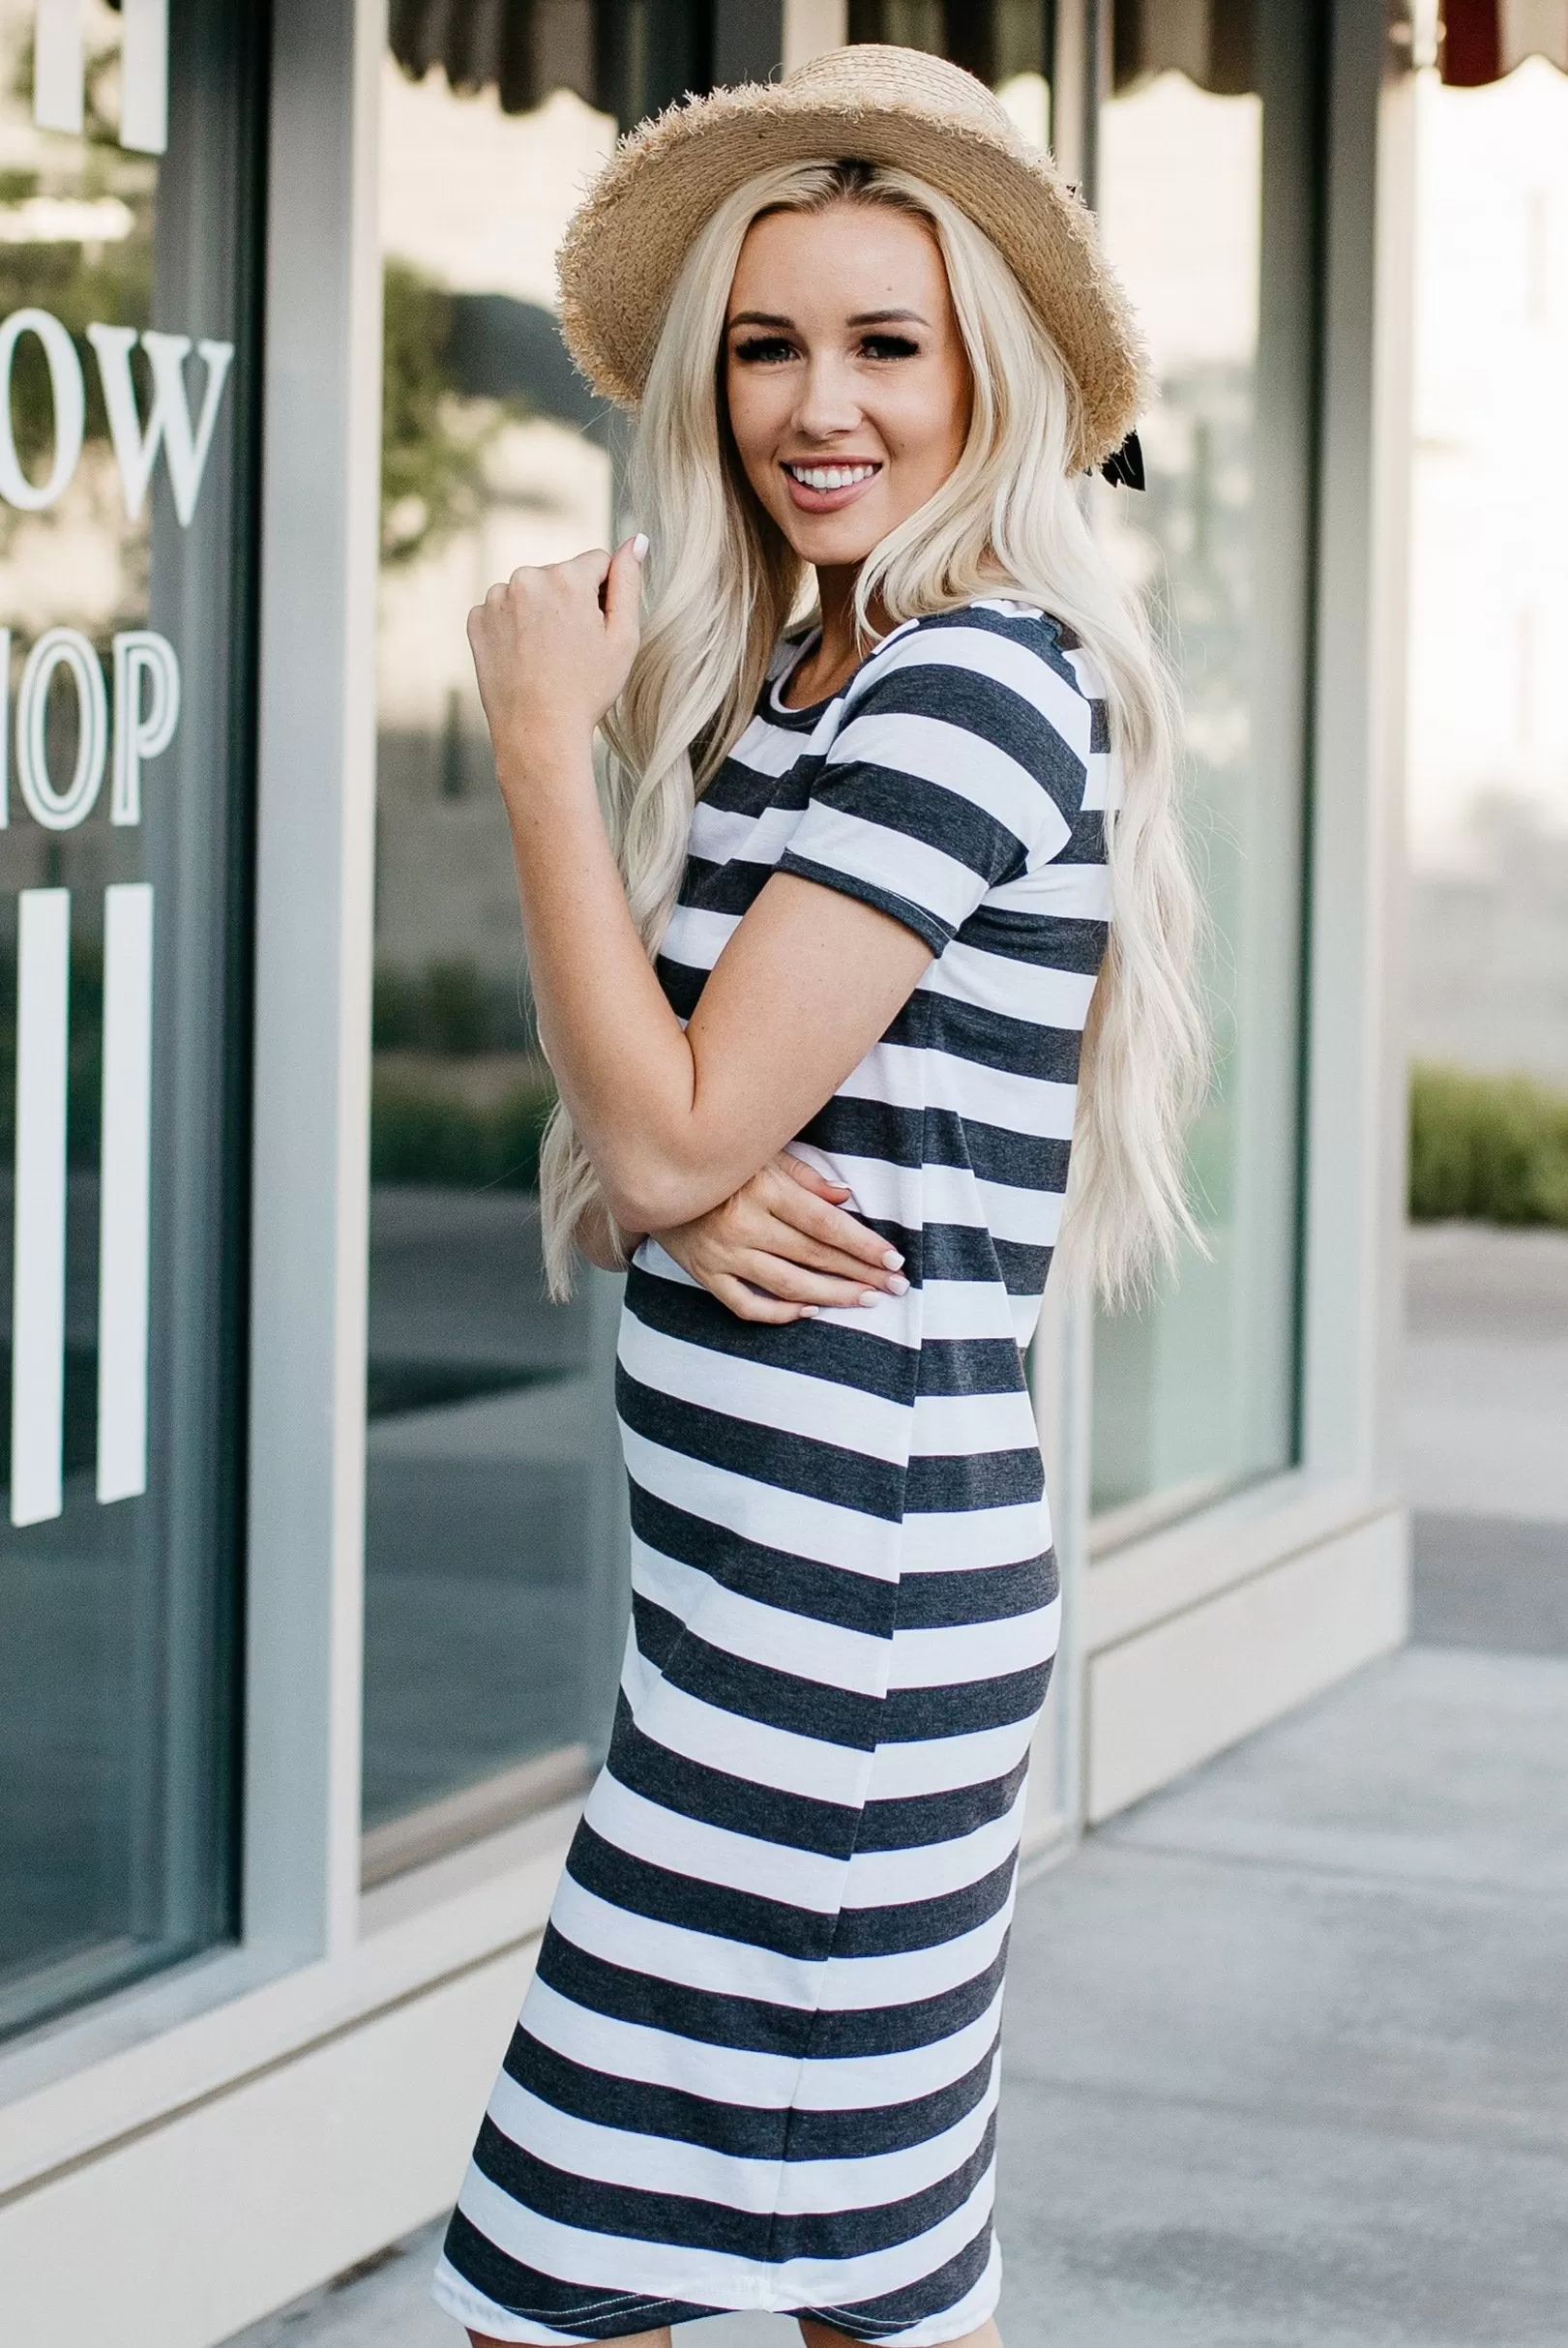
(863, 317)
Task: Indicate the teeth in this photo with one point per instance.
(831, 476)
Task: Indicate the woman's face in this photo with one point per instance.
(847, 385)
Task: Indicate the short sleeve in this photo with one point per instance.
(950, 776)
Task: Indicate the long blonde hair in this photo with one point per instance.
(721, 583)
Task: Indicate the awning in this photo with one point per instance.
(626, 57)
(1483, 40)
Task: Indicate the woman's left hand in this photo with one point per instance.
(784, 1246)
(552, 648)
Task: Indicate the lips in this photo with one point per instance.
(821, 488)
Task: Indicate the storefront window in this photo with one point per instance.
(494, 1598)
(128, 369)
(1206, 196)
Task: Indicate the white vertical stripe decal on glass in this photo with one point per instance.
(5, 728)
(59, 64)
(38, 1312)
(144, 76)
(124, 1194)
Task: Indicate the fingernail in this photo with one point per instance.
(640, 545)
(808, 1312)
(893, 1259)
(898, 1287)
(869, 1296)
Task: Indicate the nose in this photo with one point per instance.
(828, 406)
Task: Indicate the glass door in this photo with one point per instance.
(128, 355)
(1206, 191)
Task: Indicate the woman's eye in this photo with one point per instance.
(763, 350)
(890, 347)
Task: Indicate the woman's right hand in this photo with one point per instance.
(784, 1246)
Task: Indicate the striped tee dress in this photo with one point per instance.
(756, 2066)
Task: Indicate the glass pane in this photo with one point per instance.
(494, 1476)
(122, 1063)
(1206, 193)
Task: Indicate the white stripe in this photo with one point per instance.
(917, 1197)
(873, 1984)
(939, 1543)
(38, 1312)
(126, 1168)
(903, 1076)
(783, 1402)
(743, 2076)
(636, 2050)
(144, 76)
(889, 1879)
(59, 64)
(962, 1653)
(716, 1855)
(964, 766)
(792, 1521)
(969, 1426)
(726, 1619)
(1019, 667)
(708, 2277)
(752, 1750)
(944, 1765)
(691, 1960)
(1031, 991)
(722, 834)
(769, 749)
(1057, 892)
(892, 863)
(612, 2156)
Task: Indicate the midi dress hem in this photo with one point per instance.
(469, 2307)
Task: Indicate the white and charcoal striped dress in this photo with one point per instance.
(756, 2067)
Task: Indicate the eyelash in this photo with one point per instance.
(771, 350)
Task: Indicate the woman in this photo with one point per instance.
(756, 2067)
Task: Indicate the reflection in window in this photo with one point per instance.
(1205, 200)
(492, 1477)
(121, 1056)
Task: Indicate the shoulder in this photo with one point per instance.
(1001, 671)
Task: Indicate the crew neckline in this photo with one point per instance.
(778, 706)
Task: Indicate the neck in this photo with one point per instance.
(836, 599)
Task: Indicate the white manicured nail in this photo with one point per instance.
(898, 1287)
(808, 1312)
(640, 545)
(893, 1259)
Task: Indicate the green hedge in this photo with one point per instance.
(420, 1133)
(1492, 1148)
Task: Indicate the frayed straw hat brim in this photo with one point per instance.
(625, 245)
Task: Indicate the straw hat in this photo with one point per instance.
(625, 244)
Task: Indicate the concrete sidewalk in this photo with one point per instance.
(1286, 2063)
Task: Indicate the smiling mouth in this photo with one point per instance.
(826, 478)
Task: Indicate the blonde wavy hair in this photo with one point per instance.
(722, 585)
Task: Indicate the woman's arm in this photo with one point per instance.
(676, 1121)
(603, 1242)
